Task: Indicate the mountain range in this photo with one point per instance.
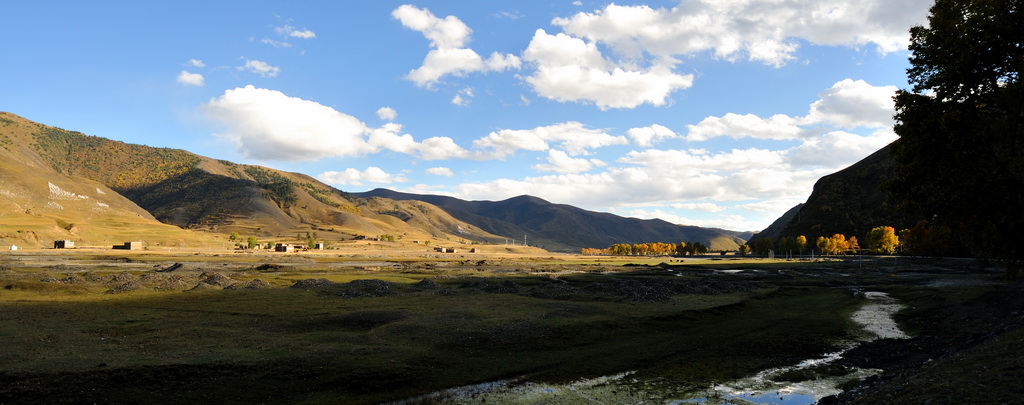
(560, 227)
(58, 184)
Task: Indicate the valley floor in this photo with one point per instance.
(172, 327)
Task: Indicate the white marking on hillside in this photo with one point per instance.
(57, 193)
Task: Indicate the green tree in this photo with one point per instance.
(882, 240)
(801, 243)
(822, 244)
(763, 245)
(960, 156)
(253, 243)
(744, 250)
(233, 237)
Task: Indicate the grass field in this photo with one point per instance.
(95, 327)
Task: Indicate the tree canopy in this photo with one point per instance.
(960, 156)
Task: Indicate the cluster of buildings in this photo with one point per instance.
(70, 244)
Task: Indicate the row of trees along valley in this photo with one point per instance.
(650, 249)
(921, 240)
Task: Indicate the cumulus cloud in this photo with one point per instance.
(191, 79)
(440, 171)
(441, 148)
(261, 68)
(764, 31)
(854, 103)
(776, 127)
(561, 162)
(448, 55)
(648, 136)
(570, 69)
(268, 125)
(196, 63)
(838, 148)
(355, 177)
(573, 137)
(848, 104)
(387, 113)
(625, 56)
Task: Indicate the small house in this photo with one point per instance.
(63, 244)
(134, 245)
(284, 247)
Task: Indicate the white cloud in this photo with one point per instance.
(289, 31)
(463, 98)
(569, 69)
(511, 15)
(560, 162)
(838, 149)
(387, 113)
(448, 56)
(440, 171)
(571, 136)
(354, 177)
(449, 32)
(854, 103)
(268, 125)
(276, 43)
(648, 136)
(389, 137)
(196, 63)
(190, 79)
(848, 104)
(440, 148)
(777, 127)
(764, 31)
(699, 206)
(644, 45)
(261, 68)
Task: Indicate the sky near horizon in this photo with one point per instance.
(715, 113)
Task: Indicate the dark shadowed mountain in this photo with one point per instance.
(849, 202)
(560, 227)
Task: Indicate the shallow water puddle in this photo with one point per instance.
(767, 387)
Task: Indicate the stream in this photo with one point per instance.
(773, 386)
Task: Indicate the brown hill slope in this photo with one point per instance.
(39, 204)
(191, 191)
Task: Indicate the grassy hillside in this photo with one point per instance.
(190, 191)
(40, 204)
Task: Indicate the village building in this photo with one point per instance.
(282, 247)
(63, 244)
(134, 245)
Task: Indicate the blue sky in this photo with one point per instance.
(718, 113)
